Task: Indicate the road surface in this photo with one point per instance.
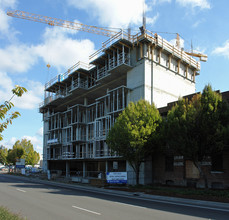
(40, 201)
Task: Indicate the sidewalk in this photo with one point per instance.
(134, 195)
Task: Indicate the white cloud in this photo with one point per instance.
(113, 13)
(174, 42)
(8, 3)
(61, 51)
(40, 132)
(153, 20)
(160, 1)
(32, 98)
(197, 23)
(9, 143)
(4, 22)
(5, 19)
(202, 4)
(17, 58)
(57, 48)
(223, 51)
(29, 100)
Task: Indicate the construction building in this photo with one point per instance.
(81, 105)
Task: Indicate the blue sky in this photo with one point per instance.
(26, 47)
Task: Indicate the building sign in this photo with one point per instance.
(117, 177)
(20, 163)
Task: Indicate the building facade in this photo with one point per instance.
(81, 105)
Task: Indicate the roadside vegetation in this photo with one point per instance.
(135, 127)
(219, 195)
(5, 214)
(202, 123)
(21, 150)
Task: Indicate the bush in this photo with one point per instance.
(7, 215)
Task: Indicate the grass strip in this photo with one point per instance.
(5, 214)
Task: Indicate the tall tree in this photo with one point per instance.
(195, 128)
(31, 156)
(5, 117)
(133, 129)
(3, 155)
(14, 154)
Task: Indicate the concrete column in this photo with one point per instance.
(84, 169)
(113, 99)
(78, 80)
(123, 54)
(94, 148)
(141, 51)
(109, 57)
(54, 153)
(129, 57)
(106, 166)
(194, 75)
(117, 57)
(159, 54)
(85, 101)
(144, 50)
(72, 82)
(67, 169)
(178, 66)
(123, 98)
(87, 151)
(186, 72)
(148, 51)
(152, 52)
(117, 101)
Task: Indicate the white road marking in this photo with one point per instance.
(162, 201)
(134, 206)
(86, 210)
(21, 190)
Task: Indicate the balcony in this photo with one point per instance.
(117, 66)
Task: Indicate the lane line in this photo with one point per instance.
(134, 206)
(86, 210)
(140, 198)
(21, 190)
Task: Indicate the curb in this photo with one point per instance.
(136, 195)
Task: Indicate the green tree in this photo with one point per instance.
(14, 154)
(31, 157)
(6, 117)
(132, 132)
(3, 155)
(195, 128)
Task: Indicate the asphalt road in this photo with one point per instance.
(41, 201)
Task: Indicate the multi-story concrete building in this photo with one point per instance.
(82, 104)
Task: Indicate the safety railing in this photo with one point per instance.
(51, 98)
(123, 58)
(158, 40)
(111, 40)
(62, 77)
(106, 153)
(102, 72)
(52, 81)
(67, 155)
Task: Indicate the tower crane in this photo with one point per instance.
(62, 23)
(83, 27)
